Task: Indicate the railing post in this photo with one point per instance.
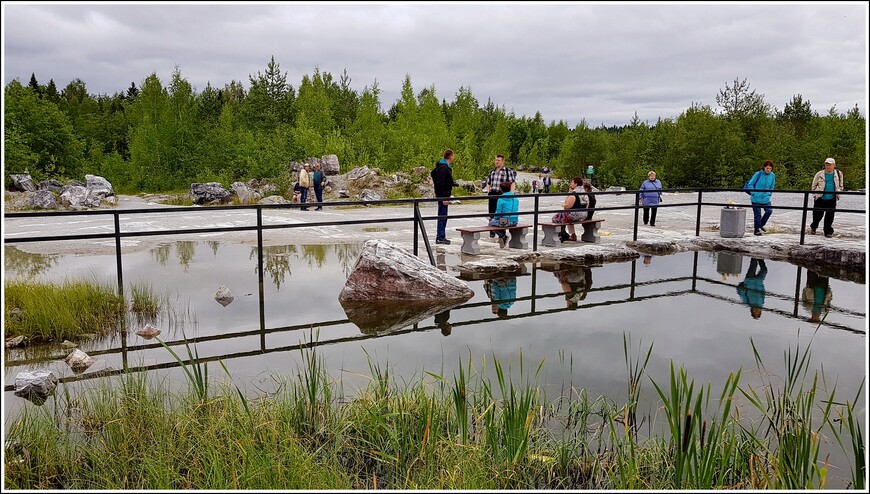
(698, 219)
(695, 273)
(423, 232)
(260, 277)
(416, 232)
(797, 291)
(636, 210)
(633, 272)
(804, 217)
(535, 234)
(119, 267)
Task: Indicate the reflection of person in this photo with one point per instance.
(442, 320)
(318, 180)
(751, 289)
(827, 181)
(304, 184)
(817, 295)
(650, 197)
(493, 183)
(508, 205)
(502, 292)
(576, 282)
(647, 259)
(763, 179)
(442, 180)
(575, 210)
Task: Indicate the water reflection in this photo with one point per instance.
(381, 317)
(576, 280)
(502, 292)
(817, 295)
(184, 251)
(751, 289)
(28, 264)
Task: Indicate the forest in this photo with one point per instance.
(163, 136)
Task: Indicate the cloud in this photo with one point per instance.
(601, 63)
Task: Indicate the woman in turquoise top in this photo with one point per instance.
(829, 181)
(760, 184)
(507, 207)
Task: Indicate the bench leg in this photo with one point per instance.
(590, 232)
(518, 239)
(550, 238)
(469, 243)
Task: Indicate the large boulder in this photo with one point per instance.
(359, 172)
(245, 193)
(75, 196)
(51, 185)
(42, 199)
(386, 272)
(35, 385)
(209, 192)
(330, 164)
(99, 186)
(21, 182)
(369, 195)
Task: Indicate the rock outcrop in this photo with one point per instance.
(210, 192)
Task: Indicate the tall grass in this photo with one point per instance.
(48, 311)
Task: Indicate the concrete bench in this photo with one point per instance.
(470, 236)
(551, 232)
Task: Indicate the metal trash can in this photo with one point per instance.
(729, 264)
(732, 223)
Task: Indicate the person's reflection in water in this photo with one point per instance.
(441, 319)
(502, 292)
(647, 259)
(576, 282)
(751, 289)
(817, 295)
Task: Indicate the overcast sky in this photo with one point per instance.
(570, 61)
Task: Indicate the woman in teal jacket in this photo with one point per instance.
(763, 180)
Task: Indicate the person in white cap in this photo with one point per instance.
(826, 183)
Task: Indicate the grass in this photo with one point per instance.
(485, 428)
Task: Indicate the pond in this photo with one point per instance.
(695, 308)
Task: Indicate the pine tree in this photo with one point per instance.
(34, 86)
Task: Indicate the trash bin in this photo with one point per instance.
(732, 222)
(729, 264)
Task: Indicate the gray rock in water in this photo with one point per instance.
(14, 342)
(330, 164)
(224, 296)
(384, 271)
(209, 192)
(148, 331)
(22, 182)
(35, 384)
(79, 360)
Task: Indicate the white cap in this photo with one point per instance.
(831, 161)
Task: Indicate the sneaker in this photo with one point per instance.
(563, 237)
(829, 235)
(758, 233)
(763, 229)
(812, 231)
(652, 224)
(303, 209)
(491, 234)
(501, 242)
(442, 241)
(318, 209)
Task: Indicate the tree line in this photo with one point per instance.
(162, 137)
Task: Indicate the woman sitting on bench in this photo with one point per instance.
(576, 209)
(505, 212)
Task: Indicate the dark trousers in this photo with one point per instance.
(647, 217)
(303, 197)
(441, 233)
(318, 193)
(493, 201)
(824, 207)
(759, 219)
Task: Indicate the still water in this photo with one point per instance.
(695, 308)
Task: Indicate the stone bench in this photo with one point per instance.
(470, 236)
(551, 232)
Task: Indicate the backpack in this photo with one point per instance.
(753, 179)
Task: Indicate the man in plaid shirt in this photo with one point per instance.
(493, 182)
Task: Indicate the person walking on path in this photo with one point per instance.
(304, 184)
(650, 197)
(442, 181)
(761, 184)
(827, 182)
(505, 212)
(751, 289)
(318, 180)
(492, 184)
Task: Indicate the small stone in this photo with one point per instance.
(79, 360)
(14, 342)
(148, 332)
(68, 344)
(224, 296)
(40, 383)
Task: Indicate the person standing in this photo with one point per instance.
(827, 181)
(546, 181)
(505, 212)
(319, 180)
(442, 181)
(761, 184)
(304, 184)
(650, 197)
(492, 184)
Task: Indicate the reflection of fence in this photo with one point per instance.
(124, 349)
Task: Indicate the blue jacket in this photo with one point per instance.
(651, 198)
(504, 291)
(507, 203)
(761, 181)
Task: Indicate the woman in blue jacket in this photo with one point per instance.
(650, 198)
(763, 180)
(507, 207)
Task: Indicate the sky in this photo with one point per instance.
(602, 62)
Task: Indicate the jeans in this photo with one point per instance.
(303, 197)
(646, 215)
(441, 233)
(824, 207)
(760, 220)
(318, 193)
(501, 233)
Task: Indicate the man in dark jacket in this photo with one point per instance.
(442, 180)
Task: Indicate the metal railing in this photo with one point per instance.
(533, 311)
(416, 218)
